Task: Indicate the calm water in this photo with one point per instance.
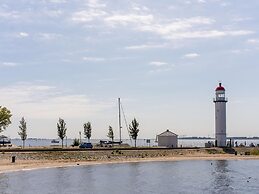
(222, 176)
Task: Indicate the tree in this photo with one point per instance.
(133, 130)
(5, 116)
(23, 131)
(76, 142)
(62, 130)
(110, 133)
(88, 130)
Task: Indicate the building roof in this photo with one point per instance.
(2, 137)
(220, 88)
(167, 133)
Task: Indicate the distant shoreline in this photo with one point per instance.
(41, 160)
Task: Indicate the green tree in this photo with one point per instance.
(62, 130)
(76, 142)
(110, 133)
(23, 131)
(88, 130)
(133, 130)
(5, 116)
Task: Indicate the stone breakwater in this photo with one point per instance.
(118, 154)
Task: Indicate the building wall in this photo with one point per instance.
(168, 141)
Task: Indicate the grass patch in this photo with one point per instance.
(254, 152)
(214, 151)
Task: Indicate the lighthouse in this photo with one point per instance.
(220, 116)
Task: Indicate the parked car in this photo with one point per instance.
(86, 145)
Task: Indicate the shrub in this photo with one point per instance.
(76, 142)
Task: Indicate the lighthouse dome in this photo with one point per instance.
(220, 88)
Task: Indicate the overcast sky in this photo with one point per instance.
(73, 59)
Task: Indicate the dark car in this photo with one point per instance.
(86, 145)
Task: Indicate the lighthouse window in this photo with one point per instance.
(221, 95)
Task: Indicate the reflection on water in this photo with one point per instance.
(221, 180)
(150, 177)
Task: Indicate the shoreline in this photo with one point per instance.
(7, 167)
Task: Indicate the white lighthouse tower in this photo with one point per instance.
(220, 116)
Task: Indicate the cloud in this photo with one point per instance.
(93, 59)
(87, 15)
(191, 55)
(159, 67)
(241, 19)
(239, 51)
(158, 63)
(129, 19)
(206, 34)
(159, 70)
(57, 1)
(9, 15)
(201, 1)
(8, 64)
(44, 101)
(253, 41)
(100, 59)
(49, 36)
(95, 4)
(145, 46)
(53, 13)
(190, 28)
(23, 34)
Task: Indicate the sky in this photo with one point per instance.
(72, 59)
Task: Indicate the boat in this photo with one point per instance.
(54, 141)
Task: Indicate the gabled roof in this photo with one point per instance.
(3, 137)
(167, 133)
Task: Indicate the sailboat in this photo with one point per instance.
(125, 120)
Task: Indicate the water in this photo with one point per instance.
(140, 142)
(222, 176)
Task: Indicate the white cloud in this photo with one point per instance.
(23, 34)
(8, 64)
(207, 34)
(9, 15)
(95, 4)
(129, 19)
(191, 55)
(88, 15)
(93, 59)
(241, 19)
(158, 63)
(57, 1)
(159, 67)
(177, 25)
(159, 70)
(53, 13)
(201, 1)
(145, 46)
(190, 28)
(253, 41)
(239, 51)
(49, 36)
(43, 101)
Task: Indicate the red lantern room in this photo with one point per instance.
(220, 88)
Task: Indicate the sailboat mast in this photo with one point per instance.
(119, 103)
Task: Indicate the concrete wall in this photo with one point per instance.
(168, 141)
(220, 123)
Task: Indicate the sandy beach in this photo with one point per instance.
(37, 160)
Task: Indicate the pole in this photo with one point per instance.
(80, 137)
(119, 103)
